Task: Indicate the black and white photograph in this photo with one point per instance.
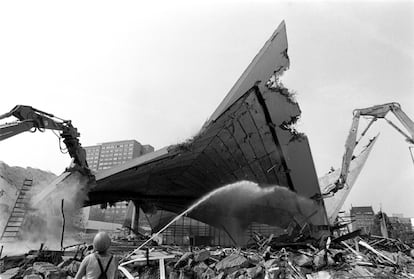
(207, 139)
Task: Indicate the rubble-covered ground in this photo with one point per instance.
(266, 257)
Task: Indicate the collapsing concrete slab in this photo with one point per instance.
(334, 203)
(249, 137)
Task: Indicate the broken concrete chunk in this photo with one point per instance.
(199, 269)
(255, 272)
(72, 268)
(234, 260)
(322, 259)
(268, 264)
(303, 260)
(220, 276)
(319, 275)
(255, 258)
(183, 260)
(202, 255)
(33, 276)
(235, 273)
(48, 270)
(361, 272)
(208, 274)
(10, 273)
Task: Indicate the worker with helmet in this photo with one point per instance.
(100, 264)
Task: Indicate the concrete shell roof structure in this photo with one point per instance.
(250, 137)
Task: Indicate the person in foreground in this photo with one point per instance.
(100, 264)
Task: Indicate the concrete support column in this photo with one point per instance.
(135, 216)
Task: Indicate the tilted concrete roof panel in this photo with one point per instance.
(250, 136)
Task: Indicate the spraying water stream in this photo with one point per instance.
(194, 205)
(244, 197)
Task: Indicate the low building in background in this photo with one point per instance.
(188, 231)
(104, 156)
(362, 217)
(396, 226)
(400, 227)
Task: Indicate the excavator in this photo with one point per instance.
(78, 173)
(374, 113)
(32, 120)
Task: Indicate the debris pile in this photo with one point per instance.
(338, 262)
(42, 263)
(266, 257)
(269, 257)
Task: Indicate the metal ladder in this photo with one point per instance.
(16, 218)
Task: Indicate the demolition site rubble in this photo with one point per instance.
(347, 256)
(248, 164)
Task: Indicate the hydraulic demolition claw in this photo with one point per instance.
(31, 119)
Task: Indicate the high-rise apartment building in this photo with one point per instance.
(109, 154)
(104, 156)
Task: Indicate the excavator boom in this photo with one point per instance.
(380, 111)
(376, 112)
(31, 119)
(77, 174)
(11, 129)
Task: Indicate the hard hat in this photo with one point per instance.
(101, 242)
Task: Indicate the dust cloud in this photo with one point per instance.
(43, 220)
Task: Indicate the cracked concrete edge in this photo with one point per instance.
(271, 59)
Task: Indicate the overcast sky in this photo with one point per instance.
(155, 72)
